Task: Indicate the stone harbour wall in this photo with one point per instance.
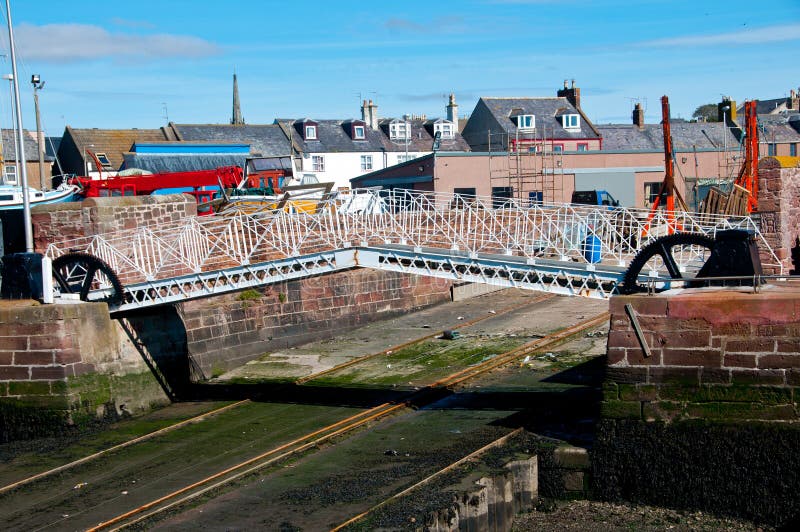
(709, 421)
(226, 331)
(714, 354)
(59, 222)
(66, 364)
(779, 208)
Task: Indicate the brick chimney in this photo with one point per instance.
(452, 110)
(369, 114)
(638, 116)
(572, 94)
(793, 102)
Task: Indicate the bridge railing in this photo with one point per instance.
(465, 224)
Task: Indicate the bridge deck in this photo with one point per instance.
(560, 248)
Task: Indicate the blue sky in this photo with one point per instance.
(135, 64)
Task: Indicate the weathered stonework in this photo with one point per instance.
(714, 354)
(58, 222)
(709, 421)
(779, 208)
(65, 364)
(226, 331)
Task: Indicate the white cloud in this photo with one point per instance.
(80, 42)
(778, 33)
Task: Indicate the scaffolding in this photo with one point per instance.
(525, 166)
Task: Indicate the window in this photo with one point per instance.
(404, 158)
(771, 149)
(583, 146)
(446, 129)
(359, 132)
(311, 132)
(558, 148)
(318, 163)
(399, 130)
(526, 122)
(501, 196)
(462, 197)
(651, 191)
(571, 121)
(103, 158)
(10, 172)
(366, 162)
(793, 150)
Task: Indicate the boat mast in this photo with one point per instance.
(26, 204)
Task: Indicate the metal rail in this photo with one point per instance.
(560, 248)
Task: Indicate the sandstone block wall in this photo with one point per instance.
(779, 207)
(715, 354)
(226, 331)
(65, 363)
(55, 223)
(709, 421)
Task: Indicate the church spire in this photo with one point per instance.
(236, 119)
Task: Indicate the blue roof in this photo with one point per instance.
(190, 148)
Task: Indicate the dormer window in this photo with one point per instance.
(399, 129)
(308, 129)
(526, 121)
(571, 121)
(359, 132)
(445, 127)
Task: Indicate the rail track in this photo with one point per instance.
(417, 398)
(202, 417)
(473, 455)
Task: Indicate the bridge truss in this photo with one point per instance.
(560, 248)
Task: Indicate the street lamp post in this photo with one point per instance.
(26, 205)
(38, 84)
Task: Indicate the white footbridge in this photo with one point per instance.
(559, 248)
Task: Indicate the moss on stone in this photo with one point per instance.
(621, 409)
(249, 295)
(740, 411)
(610, 391)
(768, 395)
(26, 388)
(637, 392)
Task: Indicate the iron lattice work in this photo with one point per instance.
(200, 256)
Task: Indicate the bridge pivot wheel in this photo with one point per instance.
(681, 254)
(89, 277)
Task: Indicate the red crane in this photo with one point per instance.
(748, 174)
(668, 192)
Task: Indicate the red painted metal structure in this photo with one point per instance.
(668, 192)
(142, 185)
(748, 175)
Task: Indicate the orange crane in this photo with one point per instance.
(748, 175)
(668, 192)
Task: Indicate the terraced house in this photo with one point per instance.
(532, 124)
(339, 150)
